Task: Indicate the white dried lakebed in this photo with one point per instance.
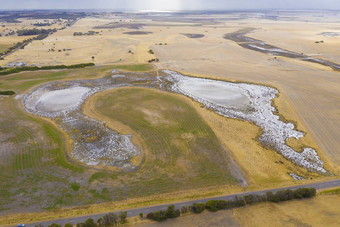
(95, 144)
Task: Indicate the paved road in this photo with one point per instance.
(146, 210)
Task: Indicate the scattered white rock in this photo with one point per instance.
(260, 111)
(296, 177)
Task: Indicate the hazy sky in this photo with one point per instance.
(170, 4)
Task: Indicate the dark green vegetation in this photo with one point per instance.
(181, 150)
(7, 92)
(153, 60)
(86, 34)
(106, 221)
(215, 205)
(135, 68)
(36, 68)
(42, 24)
(34, 31)
(162, 215)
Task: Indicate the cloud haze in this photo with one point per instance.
(170, 4)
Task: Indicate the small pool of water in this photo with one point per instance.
(60, 100)
(216, 92)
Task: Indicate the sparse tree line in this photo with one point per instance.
(41, 36)
(107, 220)
(36, 68)
(112, 219)
(86, 34)
(35, 31)
(215, 205)
(153, 60)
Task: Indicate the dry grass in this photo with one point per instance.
(310, 91)
(319, 211)
(260, 165)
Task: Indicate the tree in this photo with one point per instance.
(185, 209)
(160, 215)
(141, 215)
(172, 213)
(285, 195)
(89, 223)
(122, 217)
(54, 225)
(272, 197)
(304, 193)
(108, 220)
(150, 216)
(211, 205)
(68, 225)
(198, 207)
(249, 199)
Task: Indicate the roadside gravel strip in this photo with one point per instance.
(146, 210)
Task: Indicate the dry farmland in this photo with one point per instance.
(187, 151)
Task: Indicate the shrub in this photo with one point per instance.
(122, 217)
(198, 207)
(150, 216)
(68, 225)
(238, 202)
(304, 193)
(7, 92)
(75, 186)
(249, 199)
(211, 205)
(108, 220)
(272, 197)
(54, 225)
(141, 215)
(89, 223)
(285, 195)
(185, 209)
(160, 215)
(172, 213)
(261, 198)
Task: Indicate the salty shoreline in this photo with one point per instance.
(97, 144)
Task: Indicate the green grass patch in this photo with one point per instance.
(135, 68)
(75, 186)
(59, 153)
(183, 150)
(335, 191)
